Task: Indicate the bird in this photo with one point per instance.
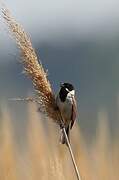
(66, 103)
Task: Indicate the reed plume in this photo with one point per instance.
(32, 66)
(34, 70)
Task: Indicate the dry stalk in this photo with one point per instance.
(72, 156)
(35, 71)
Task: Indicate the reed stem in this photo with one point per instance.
(72, 155)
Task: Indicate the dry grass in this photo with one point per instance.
(32, 66)
(44, 158)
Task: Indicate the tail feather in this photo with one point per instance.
(63, 138)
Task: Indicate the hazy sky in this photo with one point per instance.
(80, 17)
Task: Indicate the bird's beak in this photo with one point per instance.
(72, 93)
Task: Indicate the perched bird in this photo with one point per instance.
(66, 104)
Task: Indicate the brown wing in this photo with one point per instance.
(74, 112)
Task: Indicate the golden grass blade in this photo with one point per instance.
(28, 99)
(8, 160)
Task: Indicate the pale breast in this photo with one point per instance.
(65, 109)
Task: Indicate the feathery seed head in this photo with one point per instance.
(32, 66)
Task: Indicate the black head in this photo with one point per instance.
(65, 89)
(68, 86)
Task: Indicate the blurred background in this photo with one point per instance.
(78, 42)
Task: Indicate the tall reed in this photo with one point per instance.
(35, 71)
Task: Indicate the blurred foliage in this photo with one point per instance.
(41, 155)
